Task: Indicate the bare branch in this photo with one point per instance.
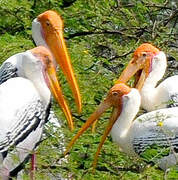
(174, 14)
(86, 33)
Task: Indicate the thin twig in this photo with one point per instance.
(85, 33)
(122, 55)
(148, 5)
(174, 14)
(79, 117)
(153, 30)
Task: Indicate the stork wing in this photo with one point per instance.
(7, 71)
(155, 140)
(158, 135)
(26, 121)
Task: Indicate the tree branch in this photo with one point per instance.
(86, 33)
(174, 14)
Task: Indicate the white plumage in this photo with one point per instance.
(16, 109)
(25, 101)
(22, 112)
(135, 136)
(161, 96)
(24, 105)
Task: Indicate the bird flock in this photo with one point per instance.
(28, 81)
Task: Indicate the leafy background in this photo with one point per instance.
(101, 36)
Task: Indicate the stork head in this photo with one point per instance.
(47, 30)
(141, 64)
(41, 60)
(114, 99)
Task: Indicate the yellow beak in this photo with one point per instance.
(136, 67)
(57, 93)
(112, 99)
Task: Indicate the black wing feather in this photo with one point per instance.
(7, 71)
(28, 119)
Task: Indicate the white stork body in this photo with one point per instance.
(22, 115)
(24, 106)
(162, 96)
(166, 93)
(28, 67)
(25, 101)
(134, 137)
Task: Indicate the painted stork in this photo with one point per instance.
(47, 30)
(24, 106)
(156, 131)
(149, 64)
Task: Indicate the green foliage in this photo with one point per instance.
(173, 174)
(155, 152)
(101, 36)
(11, 45)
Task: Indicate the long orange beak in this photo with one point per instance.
(51, 78)
(52, 30)
(114, 98)
(99, 111)
(57, 93)
(115, 114)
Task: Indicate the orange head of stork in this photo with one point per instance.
(47, 30)
(113, 99)
(140, 65)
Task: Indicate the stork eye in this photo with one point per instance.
(114, 93)
(47, 23)
(144, 54)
